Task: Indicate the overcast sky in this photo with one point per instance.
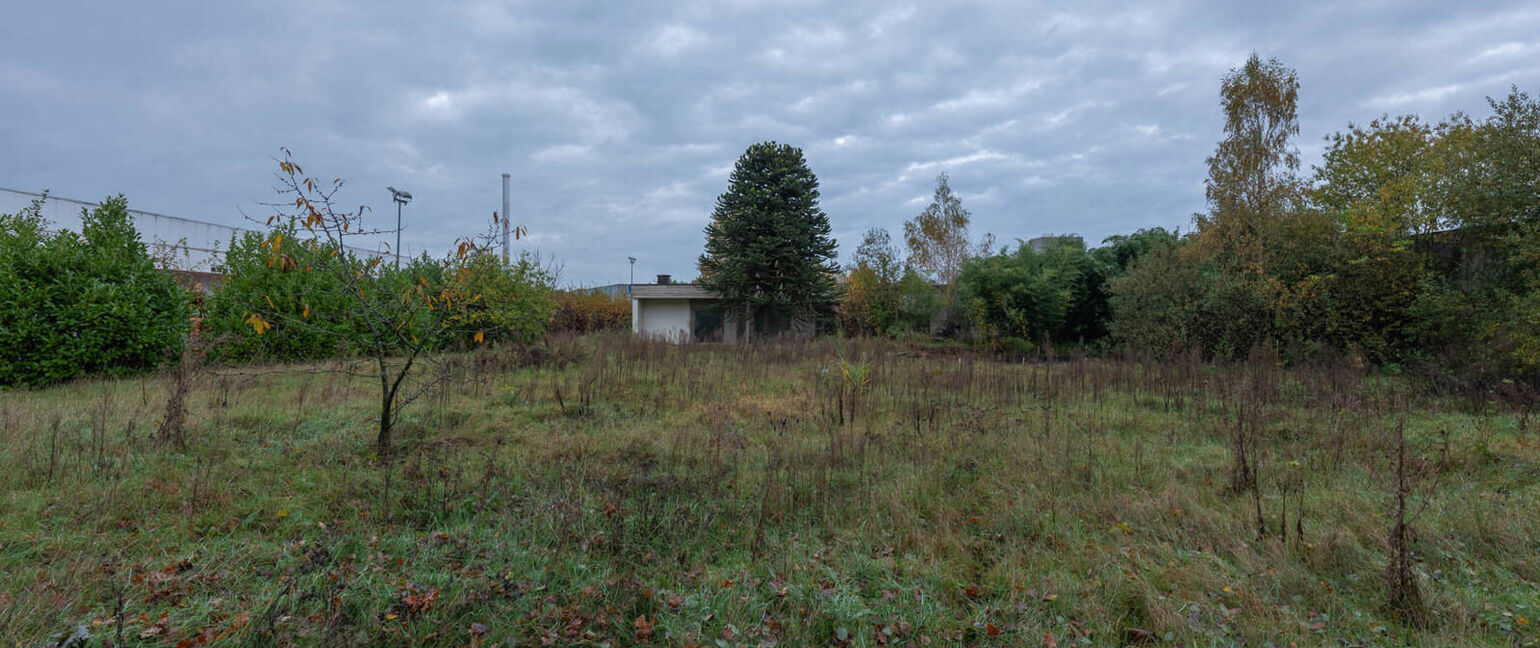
(620, 121)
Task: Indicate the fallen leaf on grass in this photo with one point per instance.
(643, 628)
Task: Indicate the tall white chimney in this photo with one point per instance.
(506, 218)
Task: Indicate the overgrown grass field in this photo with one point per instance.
(606, 491)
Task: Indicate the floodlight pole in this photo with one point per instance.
(401, 198)
(631, 281)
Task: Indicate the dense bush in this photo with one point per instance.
(582, 311)
(1489, 188)
(1022, 294)
(873, 305)
(868, 305)
(1120, 251)
(1059, 294)
(870, 297)
(514, 301)
(291, 284)
(919, 303)
(73, 305)
(1155, 304)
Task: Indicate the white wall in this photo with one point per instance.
(667, 319)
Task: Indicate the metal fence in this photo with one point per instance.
(184, 243)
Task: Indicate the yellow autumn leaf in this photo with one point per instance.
(480, 336)
(257, 324)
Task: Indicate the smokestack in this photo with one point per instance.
(506, 218)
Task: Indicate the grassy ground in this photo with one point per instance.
(610, 492)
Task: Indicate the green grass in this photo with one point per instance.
(711, 496)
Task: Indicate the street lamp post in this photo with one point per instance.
(633, 275)
(401, 198)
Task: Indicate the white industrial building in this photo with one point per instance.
(685, 313)
(680, 313)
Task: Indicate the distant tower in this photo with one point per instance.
(506, 218)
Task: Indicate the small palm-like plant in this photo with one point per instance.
(857, 375)
(854, 379)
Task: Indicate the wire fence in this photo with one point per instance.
(182, 243)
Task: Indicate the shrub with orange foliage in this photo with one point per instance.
(588, 312)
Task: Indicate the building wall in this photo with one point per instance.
(667, 319)
(731, 324)
(674, 319)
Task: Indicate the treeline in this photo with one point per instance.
(99, 303)
(1051, 290)
(1411, 244)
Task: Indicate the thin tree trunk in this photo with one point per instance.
(382, 441)
(389, 388)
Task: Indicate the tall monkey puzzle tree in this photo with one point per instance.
(768, 248)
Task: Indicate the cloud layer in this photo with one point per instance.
(619, 123)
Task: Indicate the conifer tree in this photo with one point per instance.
(768, 248)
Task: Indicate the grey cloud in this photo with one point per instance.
(620, 121)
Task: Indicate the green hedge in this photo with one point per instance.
(82, 304)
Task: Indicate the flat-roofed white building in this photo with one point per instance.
(679, 313)
(683, 313)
